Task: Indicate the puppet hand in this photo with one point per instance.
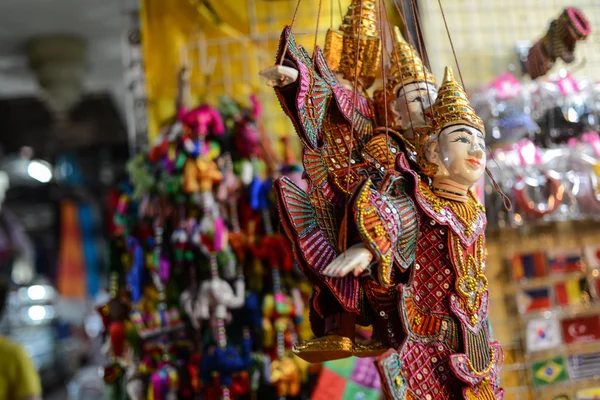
(355, 259)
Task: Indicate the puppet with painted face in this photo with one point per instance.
(443, 305)
(409, 93)
(408, 97)
(452, 152)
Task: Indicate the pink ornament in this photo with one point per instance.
(506, 86)
(593, 139)
(568, 85)
(220, 230)
(203, 120)
(529, 153)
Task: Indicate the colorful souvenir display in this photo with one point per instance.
(196, 220)
(545, 149)
(557, 308)
(389, 231)
(505, 105)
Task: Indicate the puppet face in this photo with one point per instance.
(459, 154)
(412, 104)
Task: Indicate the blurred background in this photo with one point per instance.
(85, 85)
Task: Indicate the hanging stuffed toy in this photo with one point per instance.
(201, 122)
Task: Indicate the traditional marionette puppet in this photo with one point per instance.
(199, 125)
(448, 351)
(222, 360)
(242, 139)
(280, 315)
(324, 127)
(238, 165)
(200, 122)
(436, 236)
(318, 103)
(201, 176)
(222, 364)
(215, 296)
(158, 331)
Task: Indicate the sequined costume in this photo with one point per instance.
(334, 124)
(448, 351)
(324, 113)
(427, 298)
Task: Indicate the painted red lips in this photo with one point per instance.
(474, 162)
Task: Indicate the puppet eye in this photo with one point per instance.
(462, 139)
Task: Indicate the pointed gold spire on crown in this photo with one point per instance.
(452, 106)
(341, 45)
(398, 36)
(407, 67)
(448, 75)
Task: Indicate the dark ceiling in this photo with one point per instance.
(27, 122)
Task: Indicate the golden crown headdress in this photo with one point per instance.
(341, 46)
(406, 67)
(451, 107)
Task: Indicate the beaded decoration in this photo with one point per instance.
(466, 219)
(387, 222)
(472, 282)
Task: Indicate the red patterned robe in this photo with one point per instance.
(447, 351)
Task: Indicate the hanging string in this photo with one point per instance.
(352, 136)
(505, 199)
(318, 19)
(291, 27)
(383, 71)
(331, 14)
(417, 21)
(422, 47)
(451, 43)
(340, 7)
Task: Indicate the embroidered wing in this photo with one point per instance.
(352, 105)
(336, 127)
(312, 222)
(330, 119)
(305, 102)
(387, 222)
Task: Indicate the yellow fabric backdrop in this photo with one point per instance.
(167, 27)
(251, 29)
